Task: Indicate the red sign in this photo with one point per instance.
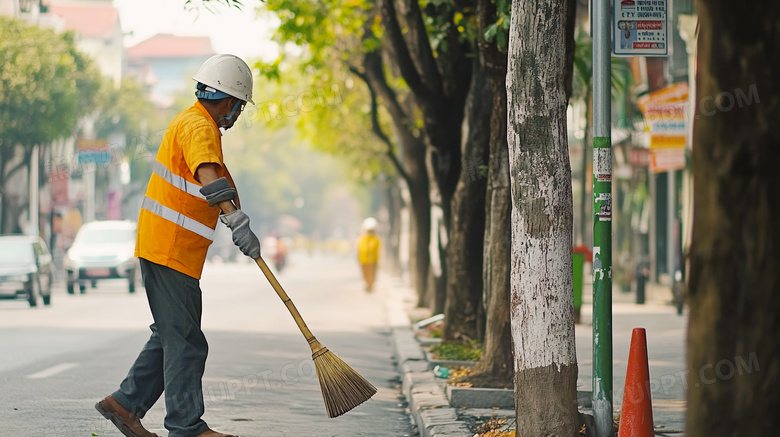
(639, 157)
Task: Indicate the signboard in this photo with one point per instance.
(640, 28)
(663, 160)
(664, 112)
(639, 157)
(93, 151)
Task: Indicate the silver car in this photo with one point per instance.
(102, 249)
(26, 269)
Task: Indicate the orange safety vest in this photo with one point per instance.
(176, 224)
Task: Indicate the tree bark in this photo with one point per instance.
(10, 212)
(421, 214)
(734, 295)
(463, 306)
(394, 207)
(5, 156)
(542, 219)
(496, 358)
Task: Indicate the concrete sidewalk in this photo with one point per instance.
(435, 417)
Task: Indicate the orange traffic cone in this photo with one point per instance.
(636, 417)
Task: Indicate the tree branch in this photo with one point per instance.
(422, 46)
(373, 66)
(401, 50)
(377, 128)
(23, 164)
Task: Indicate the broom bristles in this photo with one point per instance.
(342, 387)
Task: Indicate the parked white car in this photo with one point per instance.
(26, 269)
(102, 250)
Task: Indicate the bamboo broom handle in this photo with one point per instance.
(313, 343)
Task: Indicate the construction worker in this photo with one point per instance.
(368, 252)
(190, 189)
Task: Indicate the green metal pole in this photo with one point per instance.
(602, 220)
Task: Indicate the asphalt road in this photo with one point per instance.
(57, 361)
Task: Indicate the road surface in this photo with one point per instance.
(57, 361)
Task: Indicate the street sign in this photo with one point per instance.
(93, 151)
(664, 112)
(640, 28)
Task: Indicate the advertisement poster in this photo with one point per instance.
(640, 28)
(664, 111)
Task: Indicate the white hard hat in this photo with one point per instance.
(229, 74)
(369, 224)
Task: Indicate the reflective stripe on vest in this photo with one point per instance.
(182, 220)
(177, 181)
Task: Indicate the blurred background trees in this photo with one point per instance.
(46, 86)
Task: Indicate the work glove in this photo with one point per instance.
(218, 191)
(243, 237)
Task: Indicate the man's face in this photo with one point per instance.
(226, 106)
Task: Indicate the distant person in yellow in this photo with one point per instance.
(368, 252)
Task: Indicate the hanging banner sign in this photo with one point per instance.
(663, 160)
(93, 151)
(640, 28)
(664, 112)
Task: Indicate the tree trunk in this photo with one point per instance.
(421, 215)
(542, 219)
(496, 358)
(734, 295)
(436, 80)
(463, 307)
(11, 211)
(5, 156)
(394, 206)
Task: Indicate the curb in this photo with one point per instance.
(437, 409)
(428, 404)
(429, 407)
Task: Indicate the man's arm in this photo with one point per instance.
(233, 218)
(206, 174)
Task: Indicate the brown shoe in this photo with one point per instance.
(127, 422)
(211, 433)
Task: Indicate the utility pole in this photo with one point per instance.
(602, 219)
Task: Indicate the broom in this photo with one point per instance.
(342, 387)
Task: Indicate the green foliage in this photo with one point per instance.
(330, 32)
(583, 69)
(123, 110)
(498, 32)
(457, 351)
(209, 4)
(46, 85)
(583, 66)
(330, 39)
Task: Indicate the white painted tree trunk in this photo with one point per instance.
(541, 278)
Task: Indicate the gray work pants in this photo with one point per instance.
(173, 359)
